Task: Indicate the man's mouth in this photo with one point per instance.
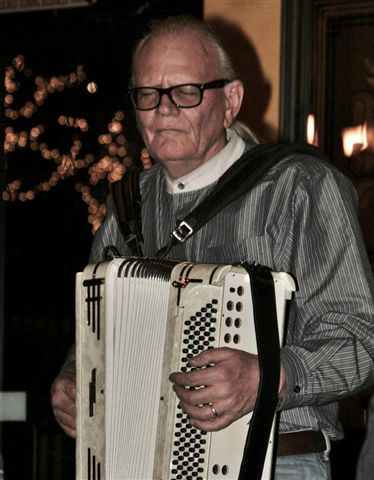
(168, 130)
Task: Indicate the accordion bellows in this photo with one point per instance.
(137, 321)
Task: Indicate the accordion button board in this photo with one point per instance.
(138, 320)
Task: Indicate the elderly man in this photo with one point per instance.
(299, 219)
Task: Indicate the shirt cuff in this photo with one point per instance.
(69, 363)
(296, 380)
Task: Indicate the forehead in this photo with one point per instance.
(189, 56)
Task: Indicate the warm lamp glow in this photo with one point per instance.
(355, 139)
(311, 131)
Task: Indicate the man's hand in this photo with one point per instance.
(63, 393)
(230, 386)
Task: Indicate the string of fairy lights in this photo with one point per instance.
(108, 167)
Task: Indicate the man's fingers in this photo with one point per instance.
(63, 394)
(66, 421)
(211, 356)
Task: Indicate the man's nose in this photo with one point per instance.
(166, 105)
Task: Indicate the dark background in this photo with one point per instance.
(46, 241)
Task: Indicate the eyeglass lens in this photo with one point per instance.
(181, 95)
(186, 95)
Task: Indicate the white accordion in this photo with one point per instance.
(138, 320)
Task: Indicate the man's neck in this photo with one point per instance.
(181, 167)
(209, 171)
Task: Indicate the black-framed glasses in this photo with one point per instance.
(186, 95)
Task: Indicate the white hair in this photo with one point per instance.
(187, 23)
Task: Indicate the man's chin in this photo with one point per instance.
(171, 159)
(172, 153)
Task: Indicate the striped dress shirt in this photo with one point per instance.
(301, 219)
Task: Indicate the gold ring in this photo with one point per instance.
(214, 411)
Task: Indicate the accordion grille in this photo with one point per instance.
(201, 331)
(189, 444)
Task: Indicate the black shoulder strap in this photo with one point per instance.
(268, 351)
(127, 203)
(236, 181)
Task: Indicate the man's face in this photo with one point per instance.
(181, 138)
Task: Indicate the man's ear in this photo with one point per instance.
(234, 92)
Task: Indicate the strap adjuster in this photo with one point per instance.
(182, 232)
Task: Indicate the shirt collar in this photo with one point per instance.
(209, 171)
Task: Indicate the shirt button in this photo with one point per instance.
(297, 389)
(180, 186)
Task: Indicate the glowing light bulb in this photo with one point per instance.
(92, 87)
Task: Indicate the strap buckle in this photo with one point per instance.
(182, 232)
